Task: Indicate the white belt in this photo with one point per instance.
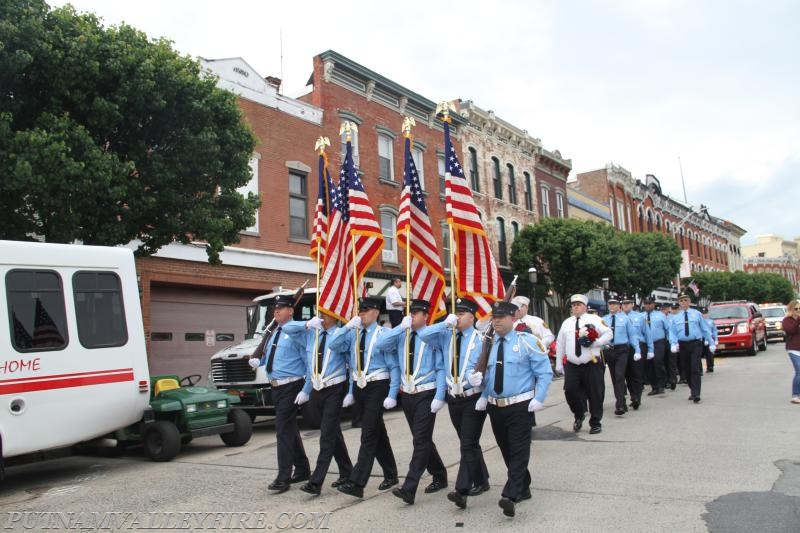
(422, 388)
(511, 400)
(467, 393)
(375, 376)
(333, 381)
(285, 381)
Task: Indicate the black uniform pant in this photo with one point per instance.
(683, 365)
(374, 439)
(671, 362)
(331, 440)
(512, 431)
(584, 383)
(290, 445)
(656, 367)
(709, 357)
(417, 408)
(468, 424)
(617, 361)
(692, 352)
(634, 374)
(395, 316)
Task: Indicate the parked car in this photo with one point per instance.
(740, 326)
(773, 316)
(180, 413)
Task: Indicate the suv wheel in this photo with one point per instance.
(753, 345)
(242, 429)
(763, 346)
(162, 441)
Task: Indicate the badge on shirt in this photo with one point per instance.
(515, 348)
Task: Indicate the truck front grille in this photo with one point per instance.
(231, 371)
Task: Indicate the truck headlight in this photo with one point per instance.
(778, 325)
(191, 408)
(741, 327)
(221, 404)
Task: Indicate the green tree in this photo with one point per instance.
(107, 136)
(652, 259)
(575, 254)
(753, 287)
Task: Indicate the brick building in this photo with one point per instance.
(709, 243)
(773, 254)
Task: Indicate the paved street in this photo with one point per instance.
(731, 463)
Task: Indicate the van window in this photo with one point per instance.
(99, 309)
(36, 310)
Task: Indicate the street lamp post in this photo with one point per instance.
(605, 291)
(533, 277)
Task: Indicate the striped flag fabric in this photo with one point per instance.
(427, 275)
(319, 238)
(477, 275)
(45, 332)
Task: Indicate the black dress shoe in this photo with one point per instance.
(672, 385)
(436, 485)
(691, 398)
(635, 404)
(653, 392)
(297, 478)
(404, 495)
(595, 430)
(710, 370)
(457, 498)
(388, 483)
(619, 412)
(351, 489)
(338, 482)
(311, 488)
(507, 506)
(683, 382)
(479, 489)
(578, 423)
(697, 399)
(279, 486)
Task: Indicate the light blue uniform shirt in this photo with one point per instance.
(428, 356)
(336, 360)
(380, 361)
(698, 329)
(442, 337)
(624, 330)
(290, 359)
(659, 327)
(526, 367)
(639, 321)
(713, 328)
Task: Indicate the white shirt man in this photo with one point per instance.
(537, 326)
(394, 302)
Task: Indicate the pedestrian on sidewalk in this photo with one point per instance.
(791, 326)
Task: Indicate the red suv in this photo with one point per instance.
(740, 326)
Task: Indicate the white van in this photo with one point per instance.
(73, 361)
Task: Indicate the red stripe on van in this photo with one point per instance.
(54, 376)
(64, 383)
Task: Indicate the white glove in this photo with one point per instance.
(560, 369)
(314, 322)
(436, 405)
(348, 401)
(650, 355)
(674, 348)
(637, 356)
(301, 398)
(480, 405)
(406, 323)
(451, 320)
(712, 348)
(535, 405)
(475, 379)
(254, 362)
(354, 323)
(388, 403)
(705, 342)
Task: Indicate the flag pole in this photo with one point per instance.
(406, 127)
(323, 160)
(453, 292)
(347, 128)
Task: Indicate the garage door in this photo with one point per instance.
(189, 325)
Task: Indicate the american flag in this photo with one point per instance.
(22, 339)
(695, 289)
(45, 331)
(319, 239)
(427, 276)
(477, 275)
(352, 223)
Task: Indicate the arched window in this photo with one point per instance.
(474, 179)
(502, 253)
(498, 186)
(512, 184)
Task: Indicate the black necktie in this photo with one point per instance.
(362, 344)
(577, 336)
(648, 318)
(271, 357)
(412, 344)
(457, 354)
(321, 351)
(498, 367)
(613, 327)
(686, 323)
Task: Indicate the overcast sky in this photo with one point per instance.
(640, 83)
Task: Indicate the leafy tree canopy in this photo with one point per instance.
(652, 261)
(107, 136)
(755, 287)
